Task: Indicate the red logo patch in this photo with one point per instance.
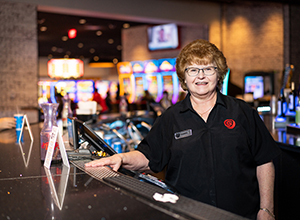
(229, 123)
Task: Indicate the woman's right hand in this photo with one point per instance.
(114, 162)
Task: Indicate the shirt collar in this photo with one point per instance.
(186, 103)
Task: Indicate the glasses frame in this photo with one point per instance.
(199, 69)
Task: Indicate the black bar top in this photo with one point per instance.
(30, 191)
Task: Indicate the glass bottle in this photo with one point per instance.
(282, 104)
(66, 111)
(297, 118)
(292, 98)
(123, 106)
(49, 110)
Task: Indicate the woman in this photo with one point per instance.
(215, 148)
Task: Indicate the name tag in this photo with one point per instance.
(183, 134)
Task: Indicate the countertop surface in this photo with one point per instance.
(25, 189)
(30, 191)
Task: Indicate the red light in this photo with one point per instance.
(72, 33)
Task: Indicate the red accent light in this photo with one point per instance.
(72, 33)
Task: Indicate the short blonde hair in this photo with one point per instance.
(200, 52)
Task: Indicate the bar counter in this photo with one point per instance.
(287, 168)
(29, 191)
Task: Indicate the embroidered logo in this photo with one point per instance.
(229, 123)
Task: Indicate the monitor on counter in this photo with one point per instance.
(259, 83)
(92, 138)
(73, 132)
(162, 37)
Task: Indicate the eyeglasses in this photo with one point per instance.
(194, 71)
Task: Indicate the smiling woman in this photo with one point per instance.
(214, 148)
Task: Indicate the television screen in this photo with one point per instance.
(255, 85)
(163, 37)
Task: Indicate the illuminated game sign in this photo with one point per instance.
(65, 68)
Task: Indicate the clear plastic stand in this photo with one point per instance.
(59, 196)
(26, 161)
(53, 137)
(25, 120)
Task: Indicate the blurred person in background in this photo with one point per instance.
(101, 102)
(165, 102)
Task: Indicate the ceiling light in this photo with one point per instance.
(102, 62)
(72, 33)
(119, 47)
(54, 49)
(80, 45)
(126, 25)
(99, 33)
(43, 28)
(41, 21)
(115, 60)
(111, 26)
(110, 41)
(96, 58)
(82, 21)
(92, 50)
(64, 38)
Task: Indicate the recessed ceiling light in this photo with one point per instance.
(41, 21)
(80, 45)
(92, 50)
(110, 41)
(54, 49)
(96, 58)
(82, 21)
(98, 33)
(115, 60)
(43, 28)
(119, 47)
(64, 38)
(126, 25)
(111, 26)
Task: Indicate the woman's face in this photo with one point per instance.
(202, 85)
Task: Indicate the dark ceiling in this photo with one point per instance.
(105, 46)
(95, 37)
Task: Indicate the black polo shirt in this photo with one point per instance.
(215, 161)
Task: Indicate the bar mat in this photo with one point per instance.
(184, 206)
(97, 172)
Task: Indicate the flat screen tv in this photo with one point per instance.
(161, 37)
